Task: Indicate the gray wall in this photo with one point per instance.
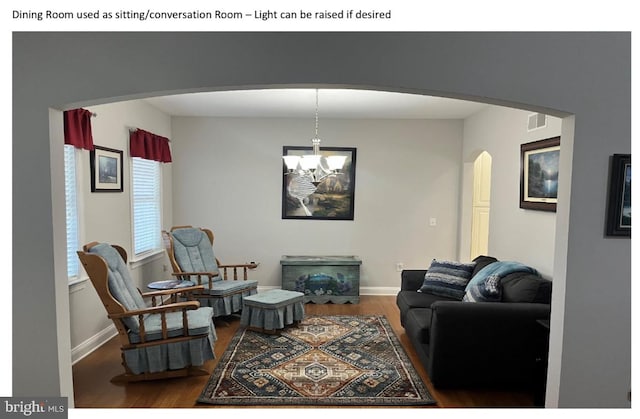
(587, 74)
(515, 234)
(227, 177)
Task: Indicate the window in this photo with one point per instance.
(71, 210)
(146, 205)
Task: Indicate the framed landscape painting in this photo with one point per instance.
(330, 199)
(619, 205)
(539, 167)
(106, 170)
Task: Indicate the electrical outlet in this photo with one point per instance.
(399, 266)
(433, 222)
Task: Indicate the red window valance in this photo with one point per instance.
(149, 146)
(77, 128)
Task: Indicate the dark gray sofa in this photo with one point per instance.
(479, 344)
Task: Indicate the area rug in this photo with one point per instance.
(324, 361)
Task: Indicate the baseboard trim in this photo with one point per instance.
(93, 343)
(379, 290)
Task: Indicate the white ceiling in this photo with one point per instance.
(300, 103)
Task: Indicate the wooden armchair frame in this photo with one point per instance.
(97, 269)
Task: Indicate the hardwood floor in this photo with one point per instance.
(93, 389)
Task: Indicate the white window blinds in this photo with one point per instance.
(146, 205)
(71, 210)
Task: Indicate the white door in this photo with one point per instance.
(481, 205)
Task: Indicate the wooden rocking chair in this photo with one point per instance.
(190, 251)
(158, 340)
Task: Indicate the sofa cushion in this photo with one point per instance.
(411, 299)
(481, 262)
(523, 287)
(418, 322)
(486, 291)
(447, 278)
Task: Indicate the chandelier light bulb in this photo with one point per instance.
(311, 165)
(291, 162)
(336, 163)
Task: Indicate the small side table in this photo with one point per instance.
(169, 284)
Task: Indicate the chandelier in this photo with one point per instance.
(314, 167)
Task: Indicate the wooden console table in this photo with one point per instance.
(323, 279)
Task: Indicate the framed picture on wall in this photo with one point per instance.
(619, 205)
(539, 167)
(330, 199)
(106, 170)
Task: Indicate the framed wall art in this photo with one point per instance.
(327, 197)
(106, 170)
(539, 167)
(619, 205)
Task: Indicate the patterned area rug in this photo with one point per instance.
(324, 361)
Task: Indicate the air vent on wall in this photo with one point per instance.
(537, 120)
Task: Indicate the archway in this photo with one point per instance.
(481, 205)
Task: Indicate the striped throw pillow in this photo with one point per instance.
(447, 279)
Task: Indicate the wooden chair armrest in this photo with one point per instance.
(172, 293)
(251, 265)
(235, 267)
(209, 275)
(162, 311)
(188, 305)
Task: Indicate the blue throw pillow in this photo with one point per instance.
(485, 291)
(447, 279)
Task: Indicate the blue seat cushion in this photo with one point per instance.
(274, 298)
(224, 288)
(199, 323)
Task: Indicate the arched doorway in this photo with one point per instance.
(481, 205)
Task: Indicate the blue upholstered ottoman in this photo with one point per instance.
(272, 310)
